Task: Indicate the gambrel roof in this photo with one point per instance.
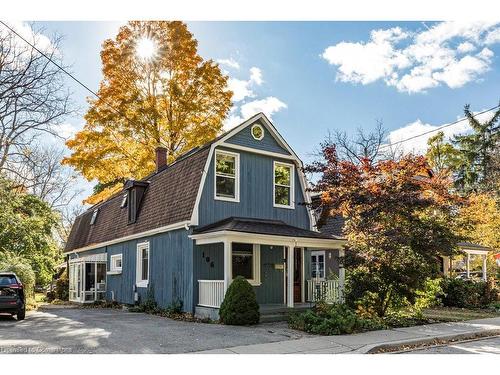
(170, 199)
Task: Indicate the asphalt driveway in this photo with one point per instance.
(59, 329)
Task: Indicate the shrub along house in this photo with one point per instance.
(235, 206)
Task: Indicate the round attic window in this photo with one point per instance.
(257, 132)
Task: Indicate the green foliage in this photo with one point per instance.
(240, 305)
(442, 156)
(22, 268)
(468, 293)
(62, 287)
(429, 296)
(478, 169)
(336, 319)
(26, 229)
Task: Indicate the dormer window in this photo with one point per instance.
(135, 193)
(227, 176)
(94, 217)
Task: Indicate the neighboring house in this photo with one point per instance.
(235, 206)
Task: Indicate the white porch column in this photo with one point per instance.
(303, 275)
(485, 276)
(289, 265)
(341, 275)
(227, 265)
(467, 265)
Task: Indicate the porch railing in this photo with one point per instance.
(323, 290)
(210, 293)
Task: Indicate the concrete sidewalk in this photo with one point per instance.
(370, 341)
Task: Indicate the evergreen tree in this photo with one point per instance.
(478, 160)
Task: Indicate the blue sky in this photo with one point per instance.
(312, 77)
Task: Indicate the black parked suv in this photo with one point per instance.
(12, 295)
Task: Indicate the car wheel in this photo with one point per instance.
(21, 314)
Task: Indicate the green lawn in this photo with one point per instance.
(455, 314)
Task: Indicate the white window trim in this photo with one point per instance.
(113, 270)
(255, 280)
(316, 253)
(94, 216)
(236, 176)
(261, 128)
(292, 185)
(138, 269)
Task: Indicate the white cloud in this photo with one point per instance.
(25, 30)
(230, 63)
(417, 61)
(244, 88)
(418, 145)
(493, 36)
(466, 47)
(256, 76)
(268, 106)
(66, 130)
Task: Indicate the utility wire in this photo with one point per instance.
(118, 112)
(62, 68)
(439, 128)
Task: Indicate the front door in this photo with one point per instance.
(297, 275)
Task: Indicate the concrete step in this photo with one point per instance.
(273, 318)
(279, 314)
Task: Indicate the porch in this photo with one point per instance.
(87, 278)
(277, 264)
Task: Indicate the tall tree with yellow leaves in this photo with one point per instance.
(156, 91)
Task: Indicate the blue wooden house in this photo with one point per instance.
(235, 206)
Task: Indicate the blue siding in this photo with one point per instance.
(256, 194)
(268, 143)
(209, 265)
(171, 269)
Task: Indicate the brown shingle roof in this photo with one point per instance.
(169, 199)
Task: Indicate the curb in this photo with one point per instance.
(404, 345)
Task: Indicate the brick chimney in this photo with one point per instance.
(161, 158)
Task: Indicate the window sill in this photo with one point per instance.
(281, 206)
(235, 200)
(114, 272)
(142, 284)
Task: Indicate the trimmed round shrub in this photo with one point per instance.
(240, 305)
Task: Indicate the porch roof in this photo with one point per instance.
(473, 248)
(263, 230)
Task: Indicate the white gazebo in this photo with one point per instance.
(452, 266)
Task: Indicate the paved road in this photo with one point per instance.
(488, 346)
(74, 330)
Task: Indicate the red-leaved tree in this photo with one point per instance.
(399, 219)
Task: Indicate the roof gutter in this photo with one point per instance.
(167, 228)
